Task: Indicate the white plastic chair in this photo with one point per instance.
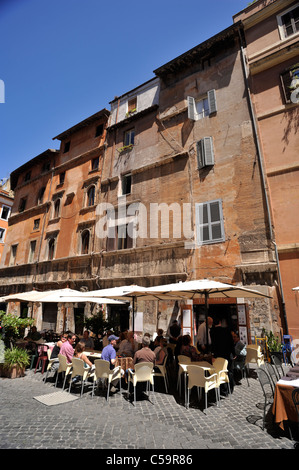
(163, 372)
(63, 367)
(102, 371)
(197, 378)
(143, 373)
(79, 370)
(183, 361)
(220, 367)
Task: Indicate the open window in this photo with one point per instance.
(288, 22)
(199, 109)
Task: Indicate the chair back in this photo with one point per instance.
(220, 364)
(78, 366)
(196, 376)
(62, 363)
(184, 359)
(271, 372)
(102, 369)
(144, 371)
(277, 364)
(254, 354)
(42, 350)
(265, 382)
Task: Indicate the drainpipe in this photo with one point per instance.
(259, 153)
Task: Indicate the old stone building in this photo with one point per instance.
(271, 52)
(174, 192)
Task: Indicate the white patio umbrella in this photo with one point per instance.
(120, 293)
(203, 288)
(37, 296)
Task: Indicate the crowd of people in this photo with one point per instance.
(212, 338)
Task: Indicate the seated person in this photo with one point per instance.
(188, 350)
(79, 352)
(109, 354)
(145, 354)
(87, 340)
(160, 353)
(67, 348)
(33, 334)
(238, 361)
(56, 350)
(127, 346)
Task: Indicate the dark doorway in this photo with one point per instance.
(79, 319)
(119, 316)
(49, 316)
(227, 313)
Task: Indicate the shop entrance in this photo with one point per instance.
(227, 313)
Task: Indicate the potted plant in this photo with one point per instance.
(15, 362)
(274, 344)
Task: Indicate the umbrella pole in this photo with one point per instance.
(133, 316)
(207, 326)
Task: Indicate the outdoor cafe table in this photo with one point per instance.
(92, 355)
(283, 407)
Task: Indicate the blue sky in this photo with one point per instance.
(64, 60)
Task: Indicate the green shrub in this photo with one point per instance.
(16, 356)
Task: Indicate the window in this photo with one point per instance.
(32, 251)
(57, 205)
(123, 239)
(36, 224)
(85, 239)
(27, 176)
(91, 196)
(99, 130)
(46, 167)
(13, 255)
(129, 137)
(288, 22)
(199, 109)
(61, 177)
(95, 163)
(126, 184)
(22, 204)
(5, 212)
(132, 105)
(2, 234)
(66, 147)
(290, 83)
(40, 196)
(205, 152)
(209, 222)
(51, 248)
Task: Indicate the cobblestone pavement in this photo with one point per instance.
(159, 423)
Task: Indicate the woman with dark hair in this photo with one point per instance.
(188, 350)
(79, 352)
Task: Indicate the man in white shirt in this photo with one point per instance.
(201, 339)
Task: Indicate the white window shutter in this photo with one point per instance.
(208, 151)
(205, 152)
(200, 154)
(191, 108)
(212, 101)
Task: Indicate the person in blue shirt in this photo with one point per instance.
(109, 354)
